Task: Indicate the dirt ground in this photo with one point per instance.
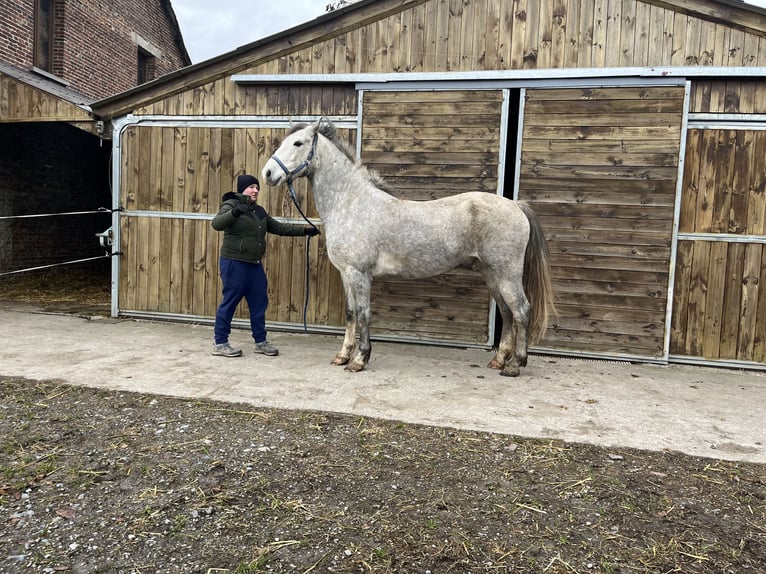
(93, 480)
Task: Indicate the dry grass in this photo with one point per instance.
(76, 286)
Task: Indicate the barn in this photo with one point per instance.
(636, 129)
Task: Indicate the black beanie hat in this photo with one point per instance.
(245, 181)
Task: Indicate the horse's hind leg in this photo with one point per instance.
(514, 308)
(505, 348)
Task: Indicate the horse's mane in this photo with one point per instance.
(328, 130)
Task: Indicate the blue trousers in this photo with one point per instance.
(241, 279)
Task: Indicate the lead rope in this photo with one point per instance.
(294, 198)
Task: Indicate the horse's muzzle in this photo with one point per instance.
(271, 174)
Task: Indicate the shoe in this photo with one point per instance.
(266, 348)
(226, 350)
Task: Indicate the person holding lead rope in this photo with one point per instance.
(244, 224)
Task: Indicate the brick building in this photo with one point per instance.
(56, 58)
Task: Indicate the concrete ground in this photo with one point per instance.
(700, 411)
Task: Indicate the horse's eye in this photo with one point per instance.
(298, 144)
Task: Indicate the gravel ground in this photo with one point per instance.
(99, 481)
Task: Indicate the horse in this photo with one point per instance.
(370, 233)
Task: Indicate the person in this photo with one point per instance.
(244, 224)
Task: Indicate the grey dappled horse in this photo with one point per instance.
(369, 233)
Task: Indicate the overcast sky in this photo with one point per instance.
(213, 28)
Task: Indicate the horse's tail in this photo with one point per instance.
(537, 278)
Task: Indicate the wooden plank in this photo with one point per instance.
(153, 241)
(164, 264)
(688, 209)
(128, 263)
(697, 298)
(594, 264)
(606, 172)
(573, 43)
(518, 38)
(544, 14)
(612, 40)
(142, 268)
(153, 186)
(601, 303)
(756, 208)
(585, 186)
(719, 187)
(176, 277)
(606, 343)
(748, 313)
(425, 133)
(531, 39)
(437, 121)
(615, 95)
(177, 170)
(740, 182)
(618, 292)
(714, 298)
(588, 157)
(602, 132)
(732, 300)
(608, 274)
(628, 45)
(680, 310)
(600, 196)
(641, 117)
(613, 212)
(759, 333)
(490, 42)
(561, 19)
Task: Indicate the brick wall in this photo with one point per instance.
(51, 168)
(96, 46)
(17, 32)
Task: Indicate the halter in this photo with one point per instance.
(297, 171)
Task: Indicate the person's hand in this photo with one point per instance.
(311, 231)
(239, 210)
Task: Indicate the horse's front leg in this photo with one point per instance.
(344, 355)
(360, 283)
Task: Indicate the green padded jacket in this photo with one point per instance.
(244, 237)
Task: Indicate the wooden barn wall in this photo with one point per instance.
(719, 304)
(469, 35)
(728, 96)
(719, 308)
(429, 145)
(599, 167)
(172, 182)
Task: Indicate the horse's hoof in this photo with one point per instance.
(495, 364)
(354, 367)
(340, 360)
(510, 372)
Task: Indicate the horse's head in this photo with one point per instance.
(293, 158)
